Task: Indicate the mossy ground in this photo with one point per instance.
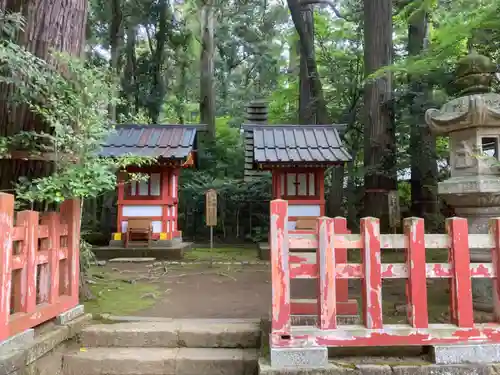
(116, 295)
(223, 254)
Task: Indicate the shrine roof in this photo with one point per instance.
(294, 144)
(173, 142)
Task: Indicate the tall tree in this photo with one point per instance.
(422, 141)
(306, 115)
(379, 131)
(57, 25)
(207, 88)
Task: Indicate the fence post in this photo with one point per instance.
(280, 269)
(372, 267)
(6, 229)
(461, 283)
(325, 259)
(71, 215)
(416, 285)
(494, 230)
(342, 286)
(51, 219)
(29, 219)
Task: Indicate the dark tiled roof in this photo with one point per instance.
(309, 144)
(158, 141)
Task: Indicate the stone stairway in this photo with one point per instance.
(174, 347)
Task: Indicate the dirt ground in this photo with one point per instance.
(230, 291)
(200, 291)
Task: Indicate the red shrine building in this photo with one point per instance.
(297, 157)
(155, 198)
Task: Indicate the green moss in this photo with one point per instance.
(118, 296)
(222, 254)
(351, 366)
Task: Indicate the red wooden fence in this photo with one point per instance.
(328, 271)
(39, 266)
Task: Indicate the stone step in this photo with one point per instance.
(161, 361)
(190, 333)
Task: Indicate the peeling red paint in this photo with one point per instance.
(281, 321)
(460, 284)
(327, 300)
(391, 335)
(415, 263)
(330, 268)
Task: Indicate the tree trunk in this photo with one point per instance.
(115, 44)
(57, 25)
(207, 88)
(158, 89)
(306, 115)
(129, 82)
(424, 202)
(317, 104)
(379, 132)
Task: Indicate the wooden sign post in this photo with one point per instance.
(211, 212)
(394, 210)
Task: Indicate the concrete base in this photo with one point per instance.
(466, 353)
(164, 253)
(70, 315)
(285, 358)
(17, 341)
(264, 251)
(43, 355)
(401, 366)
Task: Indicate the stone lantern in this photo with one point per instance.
(472, 122)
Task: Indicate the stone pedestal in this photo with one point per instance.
(476, 198)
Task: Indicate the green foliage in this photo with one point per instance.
(74, 102)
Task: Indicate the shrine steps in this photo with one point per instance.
(176, 347)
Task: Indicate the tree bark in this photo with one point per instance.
(424, 202)
(317, 104)
(306, 115)
(158, 89)
(379, 132)
(115, 44)
(129, 82)
(207, 87)
(57, 25)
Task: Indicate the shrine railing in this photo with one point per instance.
(323, 266)
(39, 264)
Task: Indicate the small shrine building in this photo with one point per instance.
(297, 156)
(156, 198)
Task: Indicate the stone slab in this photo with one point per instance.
(465, 353)
(194, 333)
(22, 360)
(164, 253)
(17, 341)
(335, 368)
(209, 361)
(70, 315)
(218, 335)
(284, 358)
(132, 260)
(121, 361)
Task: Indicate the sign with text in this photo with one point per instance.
(211, 207)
